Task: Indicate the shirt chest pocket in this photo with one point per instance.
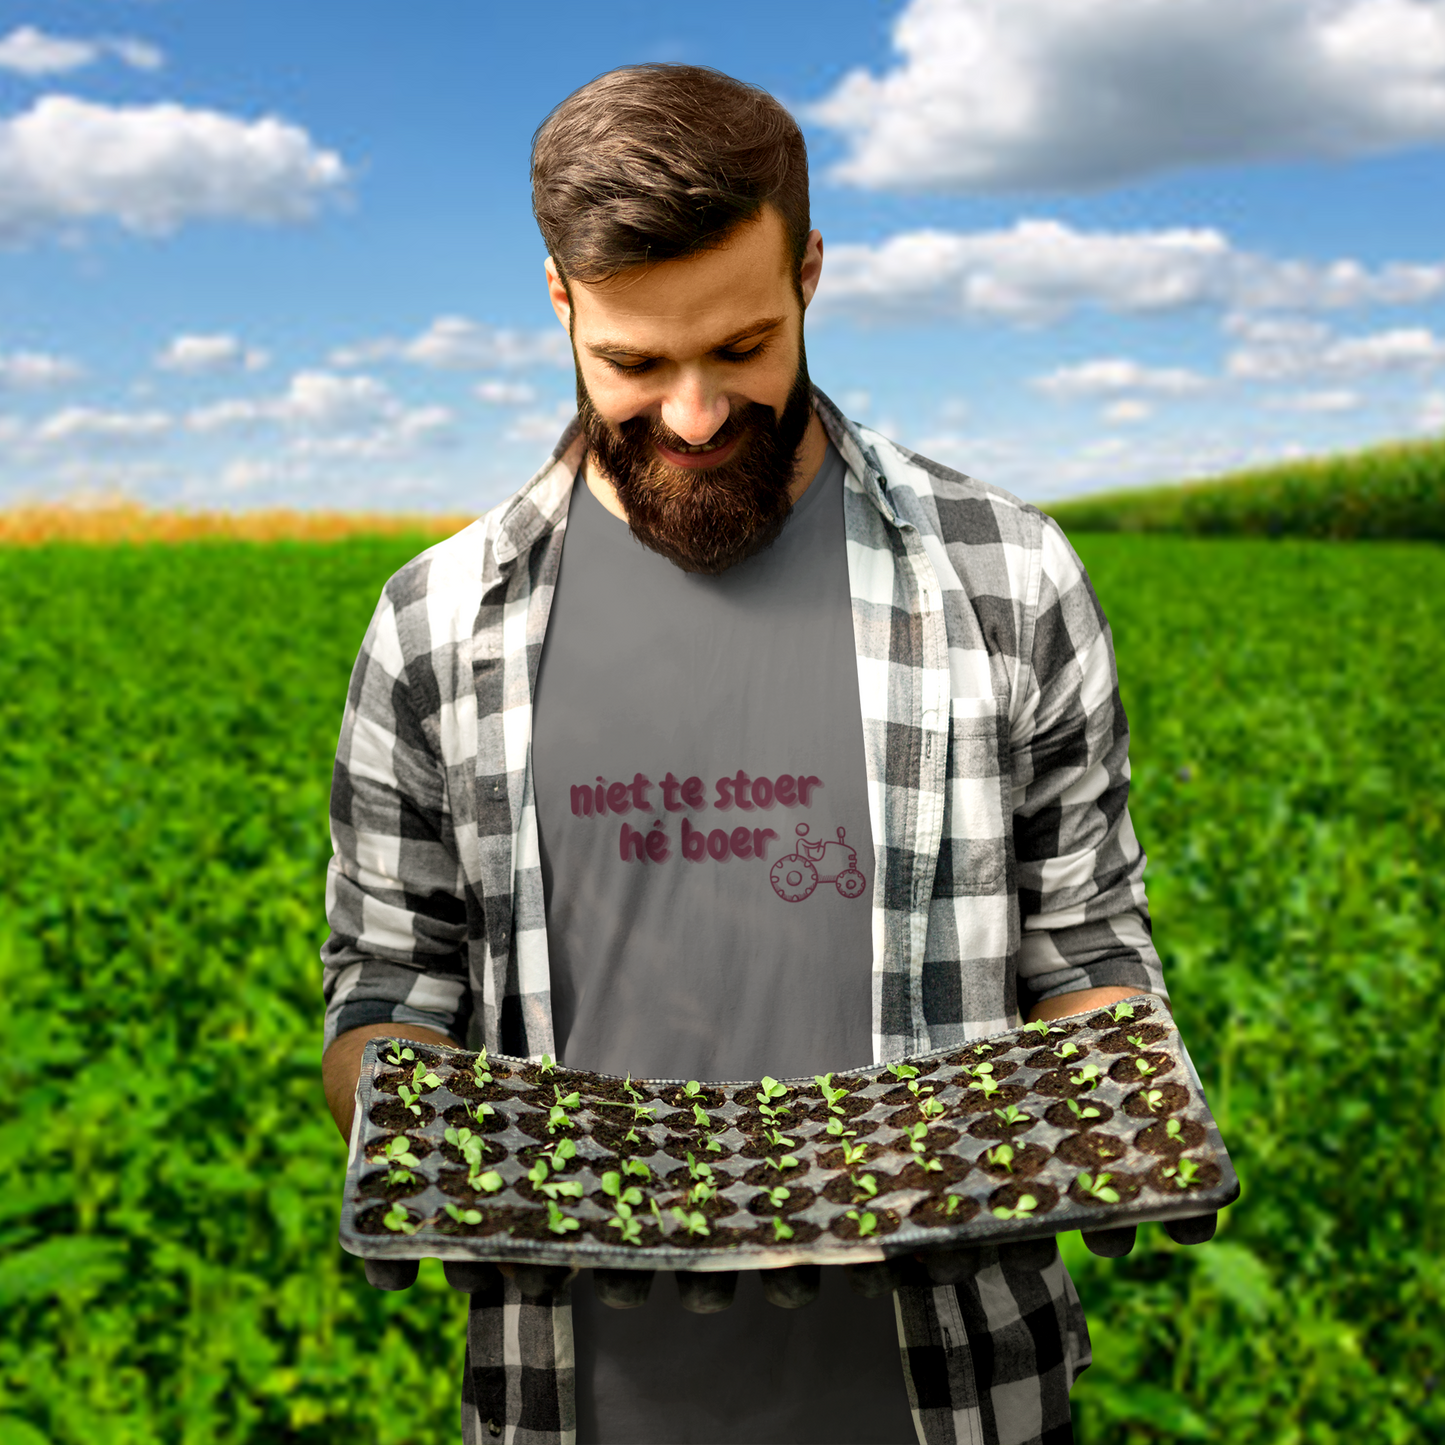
(977, 819)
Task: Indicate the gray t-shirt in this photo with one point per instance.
(708, 871)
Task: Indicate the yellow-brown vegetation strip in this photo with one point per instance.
(130, 522)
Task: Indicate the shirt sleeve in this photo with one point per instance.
(395, 898)
(1085, 918)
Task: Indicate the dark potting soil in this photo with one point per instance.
(1104, 1020)
(999, 1069)
(530, 1153)
(464, 1086)
(933, 1211)
(708, 1098)
(1206, 1178)
(914, 1176)
(843, 1190)
(374, 1186)
(992, 1127)
(1155, 1139)
(1063, 1117)
(886, 1221)
(764, 1176)
(606, 1233)
(975, 1101)
(1027, 1161)
(534, 1125)
(1052, 1059)
(851, 1107)
(368, 1221)
(1058, 1085)
(458, 1117)
(1127, 1071)
(760, 1148)
(491, 1152)
(418, 1145)
(454, 1182)
(1007, 1197)
(797, 1201)
(911, 1114)
(804, 1232)
(1091, 1150)
(1117, 1040)
(612, 1134)
(719, 1236)
(536, 1224)
(1126, 1186)
(1172, 1097)
(389, 1083)
(833, 1158)
(393, 1114)
(530, 1192)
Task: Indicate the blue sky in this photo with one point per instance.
(255, 253)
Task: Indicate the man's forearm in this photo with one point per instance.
(1084, 1000)
(341, 1064)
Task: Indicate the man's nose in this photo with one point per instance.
(694, 410)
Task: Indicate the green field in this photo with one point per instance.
(168, 1263)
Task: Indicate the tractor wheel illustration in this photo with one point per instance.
(851, 883)
(793, 878)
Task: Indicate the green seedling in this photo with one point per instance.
(951, 1207)
(701, 1192)
(1088, 1077)
(635, 1167)
(558, 1222)
(643, 1111)
(781, 1229)
(566, 1101)
(1099, 1187)
(902, 1071)
(1066, 1050)
(1154, 1098)
(989, 1086)
(1001, 1156)
(978, 1070)
(398, 1220)
(613, 1187)
(477, 1112)
(401, 1160)
(546, 1065)
(556, 1188)
(832, 1097)
(692, 1089)
(1173, 1129)
(700, 1117)
(628, 1227)
(481, 1074)
(485, 1183)
(464, 1216)
(778, 1139)
(778, 1195)
(694, 1222)
(771, 1089)
(836, 1129)
(867, 1222)
(1137, 1040)
(1011, 1114)
(397, 1056)
(1038, 1027)
(852, 1153)
(788, 1161)
(698, 1170)
(1145, 1067)
(930, 1108)
(1088, 1111)
(656, 1212)
(1182, 1172)
(559, 1118)
(1123, 1011)
(411, 1098)
(930, 1166)
(917, 1136)
(867, 1187)
(631, 1090)
(561, 1152)
(425, 1077)
(1025, 1207)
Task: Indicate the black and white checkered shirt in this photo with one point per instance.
(1008, 870)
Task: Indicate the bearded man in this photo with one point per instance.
(740, 741)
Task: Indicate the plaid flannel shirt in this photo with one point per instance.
(998, 779)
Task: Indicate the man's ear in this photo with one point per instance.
(557, 295)
(812, 265)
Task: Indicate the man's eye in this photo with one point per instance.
(627, 368)
(748, 355)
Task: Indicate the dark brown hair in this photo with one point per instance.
(655, 162)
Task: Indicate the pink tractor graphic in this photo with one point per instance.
(798, 874)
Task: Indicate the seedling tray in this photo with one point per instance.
(1032, 1076)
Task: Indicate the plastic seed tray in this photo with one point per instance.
(1008, 1151)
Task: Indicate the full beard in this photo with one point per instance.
(704, 519)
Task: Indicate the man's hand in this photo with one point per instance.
(1084, 1001)
(341, 1064)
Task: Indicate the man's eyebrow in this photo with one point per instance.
(743, 333)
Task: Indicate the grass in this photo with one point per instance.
(168, 1262)
(1396, 490)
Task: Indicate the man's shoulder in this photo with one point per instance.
(953, 505)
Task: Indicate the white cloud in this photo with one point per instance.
(856, 403)
(1040, 271)
(209, 355)
(456, 343)
(32, 53)
(505, 393)
(542, 426)
(152, 168)
(1297, 348)
(354, 417)
(36, 371)
(1108, 375)
(1431, 414)
(1054, 94)
(93, 430)
(1320, 403)
(1126, 411)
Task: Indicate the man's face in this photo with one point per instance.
(692, 388)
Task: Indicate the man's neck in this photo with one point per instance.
(811, 451)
